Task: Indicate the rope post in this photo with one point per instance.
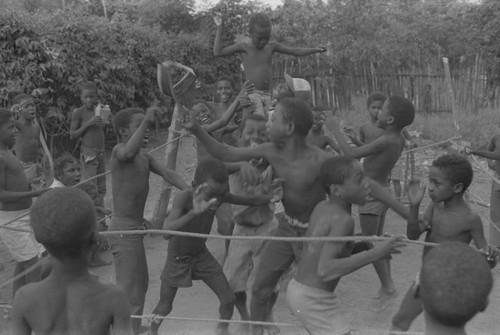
(171, 162)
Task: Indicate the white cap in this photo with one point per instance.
(299, 86)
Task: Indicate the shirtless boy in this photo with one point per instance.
(257, 56)
(27, 147)
(316, 135)
(70, 300)
(454, 285)
(130, 170)
(188, 257)
(15, 201)
(380, 156)
(311, 293)
(447, 218)
(90, 127)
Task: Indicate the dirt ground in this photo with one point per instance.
(354, 291)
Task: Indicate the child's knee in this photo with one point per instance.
(227, 300)
(262, 293)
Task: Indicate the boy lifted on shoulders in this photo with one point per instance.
(70, 300)
(311, 293)
(130, 170)
(447, 218)
(257, 56)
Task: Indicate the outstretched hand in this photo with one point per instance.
(416, 192)
(200, 204)
(389, 247)
(187, 117)
(218, 20)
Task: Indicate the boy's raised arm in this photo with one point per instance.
(380, 193)
(169, 175)
(366, 150)
(297, 51)
(217, 149)
(129, 150)
(218, 50)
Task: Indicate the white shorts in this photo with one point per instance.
(318, 310)
(22, 245)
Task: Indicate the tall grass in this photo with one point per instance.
(476, 128)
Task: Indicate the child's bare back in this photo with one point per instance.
(70, 304)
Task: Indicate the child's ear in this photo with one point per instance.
(390, 119)
(122, 131)
(290, 128)
(458, 188)
(336, 190)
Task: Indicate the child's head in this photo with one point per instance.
(8, 129)
(91, 189)
(67, 170)
(344, 177)
(455, 282)
(24, 105)
(397, 111)
(212, 172)
(292, 116)
(259, 28)
(203, 112)
(88, 95)
(63, 220)
(252, 130)
(225, 89)
(374, 103)
(126, 122)
(319, 117)
(449, 175)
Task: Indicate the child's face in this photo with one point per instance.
(260, 36)
(203, 114)
(374, 108)
(27, 109)
(253, 133)
(355, 187)
(383, 116)
(89, 98)
(8, 133)
(70, 174)
(276, 126)
(135, 122)
(225, 90)
(440, 188)
(319, 119)
(215, 190)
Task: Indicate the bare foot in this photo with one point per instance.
(386, 298)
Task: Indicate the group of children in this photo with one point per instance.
(278, 161)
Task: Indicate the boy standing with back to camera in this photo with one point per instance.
(257, 57)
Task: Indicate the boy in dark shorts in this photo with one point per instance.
(447, 218)
(130, 171)
(381, 154)
(188, 258)
(70, 300)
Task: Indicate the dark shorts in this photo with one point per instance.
(180, 271)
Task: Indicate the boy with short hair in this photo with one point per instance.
(70, 300)
(454, 285)
(130, 170)
(316, 135)
(311, 293)
(27, 146)
(188, 258)
(243, 256)
(380, 157)
(66, 171)
(85, 123)
(257, 56)
(447, 218)
(15, 201)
